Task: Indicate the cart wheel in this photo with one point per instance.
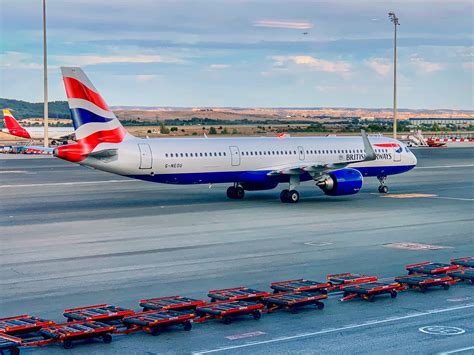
(155, 331)
(213, 300)
(345, 294)
(446, 286)
(107, 338)
(256, 315)
(275, 292)
(371, 298)
(145, 309)
(13, 351)
(68, 344)
(320, 305)
(187, 326)
(227, 320)
(410, 272)
(323, 292)
(393, 294)
(422, 289)
(293, 310)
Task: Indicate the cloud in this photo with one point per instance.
(317, 64)
(18, 60)
(380, 65)
(468, 66)
(218, 66)
(84, 60)
(145, 77)
(296, 25)
(425, 66)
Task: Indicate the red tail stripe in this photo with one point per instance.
(387, 145)
(77, 90)
(79, 151)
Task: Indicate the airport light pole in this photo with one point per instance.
(45, 76)
(394, 20)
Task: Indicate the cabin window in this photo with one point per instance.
(166, 155)
(171, 155)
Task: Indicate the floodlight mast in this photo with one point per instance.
(394, 19)
(45, 79)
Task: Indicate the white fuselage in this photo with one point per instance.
(213, 160)
(53, 132)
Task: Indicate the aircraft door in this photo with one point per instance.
(234, 155)
(397, 154)
(301, 153)
(146, 157)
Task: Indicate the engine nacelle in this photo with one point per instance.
(341, 182)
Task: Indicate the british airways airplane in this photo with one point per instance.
(338, 165)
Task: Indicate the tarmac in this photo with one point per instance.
(72, 236)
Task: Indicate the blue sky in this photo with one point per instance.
(244, 53)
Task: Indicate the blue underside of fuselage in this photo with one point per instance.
(243, 176)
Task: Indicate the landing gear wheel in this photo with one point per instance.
(68, 344)
(231, 192)
(239, 192)
(293, 196)
(383, 189)
(256, 315)
(284, 196)
(187, 326)
(107, 338)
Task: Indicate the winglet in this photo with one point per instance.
(369, 150)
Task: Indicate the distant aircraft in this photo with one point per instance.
(305, 33)
(15, 129)
(337, 165)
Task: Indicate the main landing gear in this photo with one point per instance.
(235, 192)
(291, 195)
(383, 189)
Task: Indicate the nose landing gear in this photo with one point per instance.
(235, 192)
(383, 189)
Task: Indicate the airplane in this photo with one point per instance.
(338, 165)
(16, 129)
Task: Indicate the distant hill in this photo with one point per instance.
(24, 109)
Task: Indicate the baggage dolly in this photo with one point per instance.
(430, 268)
(101, 312)
(464, 274)
(10, 344)
(466, 262)
(227, 311)
(237, 294)
(348, 278)
(300, 285)
(293, 301)
(368, 291)
(67, 333)
(154, 322)
(423, 281)
(177, 303)
(22, 324)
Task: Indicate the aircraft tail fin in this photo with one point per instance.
(94, 122)
(13, 126)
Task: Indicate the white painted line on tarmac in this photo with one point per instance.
(69, 183)
(451, 198)
(456, 351)
(445, 166)
(14, 172)
(333, 330)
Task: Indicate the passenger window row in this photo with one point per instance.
(195, 155)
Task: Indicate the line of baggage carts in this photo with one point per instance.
(101, 321)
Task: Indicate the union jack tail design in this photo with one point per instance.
(94, 122)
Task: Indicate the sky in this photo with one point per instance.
(243, 53)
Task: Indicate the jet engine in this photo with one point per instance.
(341, 182)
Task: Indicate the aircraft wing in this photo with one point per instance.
(318, 168)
